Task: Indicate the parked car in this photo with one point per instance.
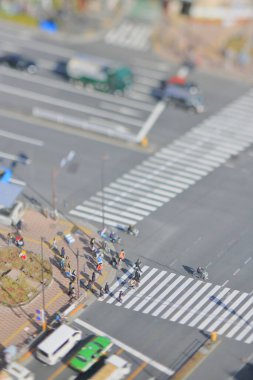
(16, 371)
(90, 353)
(19, 62)
(179, 96)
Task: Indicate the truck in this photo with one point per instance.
(101, 74)
(115, 368)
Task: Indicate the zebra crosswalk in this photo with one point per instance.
(130, 35)
(173, 169)
(187, 301)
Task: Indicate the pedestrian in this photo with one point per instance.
(73, 294)
(107, 289)
(137, 276)
(73, 275)
(114, 262)
(62, 252)
(71, 287)
(120, 296)
(122, 255)
(99, 268)
(54, 245)
(19, 226)
(67, 263)
(138, 265)
(9, 239)
(92, 243)
(62, 263)
(89, 285)
(102, 292)
(93, 277)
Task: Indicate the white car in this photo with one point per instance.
(16, 371)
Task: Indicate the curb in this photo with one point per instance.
(196, 360)
(85, 299)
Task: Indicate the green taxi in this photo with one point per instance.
(90, 353)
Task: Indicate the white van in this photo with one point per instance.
(58, 344)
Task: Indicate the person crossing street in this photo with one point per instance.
(107, 289)
(120, 296)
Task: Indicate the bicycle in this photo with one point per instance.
(133, 283)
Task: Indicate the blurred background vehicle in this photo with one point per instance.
(100, 74)
(180, 96)
(19, 62)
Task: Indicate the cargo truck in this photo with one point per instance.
(115, 368)
(103, 75)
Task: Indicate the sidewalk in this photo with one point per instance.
(15, 322)
(216, 49)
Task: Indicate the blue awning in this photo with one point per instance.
(8, 194)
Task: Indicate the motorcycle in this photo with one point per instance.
(129, 230)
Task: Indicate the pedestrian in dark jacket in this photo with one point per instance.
(107, 289)
(62, 252)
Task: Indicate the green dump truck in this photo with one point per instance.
(101, 74)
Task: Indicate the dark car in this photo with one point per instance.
(19, 62)
(180, 96)
(60, 69)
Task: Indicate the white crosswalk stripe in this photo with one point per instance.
(172, 170)
(188, 301)
(130, 35)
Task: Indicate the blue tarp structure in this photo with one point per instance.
(48, 26)
(8, 194)
(5, 174)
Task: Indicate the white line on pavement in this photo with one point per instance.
(63, 103)
(225, 283)
(237, 271)
(127, 348)
(12, 157)
(159, 108)
(68, 88)
(17, 137)
(17, 182)
(248, 260)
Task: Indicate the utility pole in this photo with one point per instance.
(55, 171)
(103, 159)
(77, 273)
(43, 317)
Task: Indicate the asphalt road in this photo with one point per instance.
(207, 224)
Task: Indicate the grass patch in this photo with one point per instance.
(20, 18)
(20, 280)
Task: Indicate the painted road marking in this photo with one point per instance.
(127, 348)
(26, 139)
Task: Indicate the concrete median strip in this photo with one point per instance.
(196, 360)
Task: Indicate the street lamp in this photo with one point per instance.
(103, 159)
(43, 318)
(77, 273)
(55, 173)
